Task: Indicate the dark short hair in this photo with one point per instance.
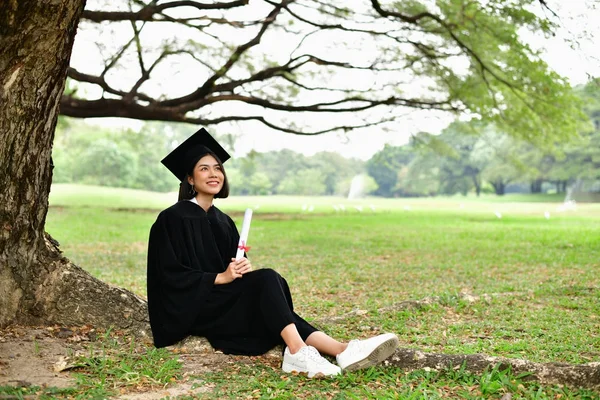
(185, 189)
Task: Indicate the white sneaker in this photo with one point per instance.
(366, 353)
(308, 360)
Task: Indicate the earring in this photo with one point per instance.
(192, 191)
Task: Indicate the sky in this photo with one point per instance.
(578, 19)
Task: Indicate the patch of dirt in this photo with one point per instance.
(183, 389)
(27, 357)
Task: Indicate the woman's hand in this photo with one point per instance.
(241, 266)
(235, 269)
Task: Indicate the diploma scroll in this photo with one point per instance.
(243, 243)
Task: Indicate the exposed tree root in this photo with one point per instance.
(580, 376)
(73, 297)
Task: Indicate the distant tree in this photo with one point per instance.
(335, 168)
(505, 159)
(84, 153)
(72, 138)
(466, 155)
(237, 182)
(588, 158)
(306, 182)
(581, 160)
(259, 184)
(419, 178)
(275, 167)
(150, 143)
(383, 167)
(577, 159)
(107, 163)
(459, 156)
(249, 164)
(590, 93)
(278, 164)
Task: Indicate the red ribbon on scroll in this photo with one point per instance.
(243, 246)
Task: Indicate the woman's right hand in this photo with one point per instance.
(234, 270)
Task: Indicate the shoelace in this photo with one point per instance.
(355, 345)
(314, 355)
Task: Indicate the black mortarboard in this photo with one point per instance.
(180, 160)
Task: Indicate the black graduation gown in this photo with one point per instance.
(187, 248)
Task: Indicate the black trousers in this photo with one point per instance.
(247, 315)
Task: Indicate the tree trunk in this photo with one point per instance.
(37, 284)
(536, 186)
(477, 184)
(499, 187)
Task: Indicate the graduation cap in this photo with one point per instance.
(180, 160)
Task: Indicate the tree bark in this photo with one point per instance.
(477, 184)
(536, 186)
(563, 188)
(499, 187)
(37, 284)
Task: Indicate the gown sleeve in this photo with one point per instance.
(177, 280)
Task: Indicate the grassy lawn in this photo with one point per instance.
(539, 264)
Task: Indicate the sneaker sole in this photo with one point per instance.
(292, 370)
(378, 355)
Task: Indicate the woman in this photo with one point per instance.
(196, 286)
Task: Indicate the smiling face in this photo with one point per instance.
(208, 176)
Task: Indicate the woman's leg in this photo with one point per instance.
(319, 340)
(300, 358)
(276, 303)
(292, 338)
(325, 343)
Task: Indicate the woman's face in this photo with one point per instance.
(208, 176)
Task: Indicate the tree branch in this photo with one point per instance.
(147, 12)
(286, 128)
(115, 108)
(411, 19)
(328, 106)
(210, 82)
(100, 81)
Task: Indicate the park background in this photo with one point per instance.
(494, 238)
(479, 237)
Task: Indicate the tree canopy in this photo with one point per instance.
(297, 65)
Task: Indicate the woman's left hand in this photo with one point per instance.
(241, 266)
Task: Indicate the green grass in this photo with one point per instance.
(112, 365)
(96, 196)
(542, 271)
(38, 392)
(263, 380)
